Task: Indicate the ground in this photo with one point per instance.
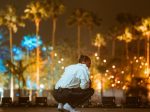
(50, 109)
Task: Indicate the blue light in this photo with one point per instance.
(4, 53)
(18, 53)
(28, 82)
(30, 42)
(1, 36)
(2, 67)
(44, 48)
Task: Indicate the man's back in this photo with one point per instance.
(72, 76)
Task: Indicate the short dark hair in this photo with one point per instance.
(84, 58)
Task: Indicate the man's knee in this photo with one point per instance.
(91, 91)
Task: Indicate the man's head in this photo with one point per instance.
(85, 60)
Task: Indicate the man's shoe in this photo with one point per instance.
(60, 107)
(68, 108)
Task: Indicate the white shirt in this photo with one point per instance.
(74, 76)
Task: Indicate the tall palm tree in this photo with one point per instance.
(99, 42)
(35, 11)
(54, 9)
(126, 37)
(128, 20)
(145, 29)
(112, 33)
(92, 21)
(9, 18)
(78, 17)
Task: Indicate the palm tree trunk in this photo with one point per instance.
(78, 39)
(127, 53)
(37, 22)
(113, 48)
(53, 45)
(90, 36)
(101, 86)
(11, 53)
(145, 47)
(19, 86)
(54, 32)
(11, 56)
(148, 56)
(98, 52)
(138, 47)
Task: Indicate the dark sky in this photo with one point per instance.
(105, 9)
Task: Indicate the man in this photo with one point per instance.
(74, 87)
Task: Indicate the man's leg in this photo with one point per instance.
(60, 96)
(65, 96)
(79, 96)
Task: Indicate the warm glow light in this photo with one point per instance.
(113, 66)
(118, 82)
(113, 85)
(146, 71)
(41, 86)
(99, 86)
(59, 61)
(142, 63)
(104, 60)
(140, 66)
(135, 57)
(141, 58)
(97, 58)
(112, 76)
(62, 59)
(124, 87)
(107, 71)
(62, 67)
(96, 54)
(146, 64)
(122, 72)
(55, 54)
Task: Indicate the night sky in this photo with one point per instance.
(105, 9)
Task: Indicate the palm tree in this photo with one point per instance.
(99, 42)
(9, 18)
(78, 17)
(92, 21)
(145, 29)
(54, 9)
(126, 37)
(35, 12)
(128, 20)
(112, 33)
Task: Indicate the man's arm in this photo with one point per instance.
(84, 79)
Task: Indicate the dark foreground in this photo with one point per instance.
(50, 109)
